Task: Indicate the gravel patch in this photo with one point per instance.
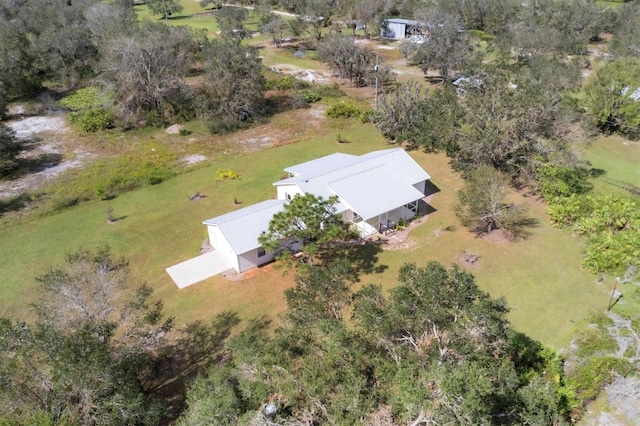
(310, 76)
(190, 160)
(31, 126)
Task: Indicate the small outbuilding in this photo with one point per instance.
(400, 29)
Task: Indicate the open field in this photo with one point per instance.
(620, 159)
(192, 15)
(540, 277)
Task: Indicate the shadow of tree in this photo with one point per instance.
(362, 256)
(37, 164)
(526, 352)
(197, 347)
(26, 163)
(15, 203)
(282, 102)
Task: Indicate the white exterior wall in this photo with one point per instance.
(421, 186)
(394, 30)
(288, 189)
(250, 260)
(220, 244)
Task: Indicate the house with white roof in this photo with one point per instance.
(374, 190)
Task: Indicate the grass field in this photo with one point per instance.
(539, 277)
(619, 158)
(192, 15)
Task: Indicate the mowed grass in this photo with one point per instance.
(540, 277)
(192, 15)
(619, 158)
(162, 227)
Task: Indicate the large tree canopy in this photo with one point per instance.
(613, 97)
(233, 87)
(90, 356)
(437, 349)
(145, 71)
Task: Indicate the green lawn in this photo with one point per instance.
(162, 227)
(540, 277)
(192, 15)
(619, 158)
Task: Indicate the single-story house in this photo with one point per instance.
(374, 190)
(401, 28)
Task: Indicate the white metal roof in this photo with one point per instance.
(322, 164)
(375, 191)
(397, 165)
(404, 21)
(242, 227)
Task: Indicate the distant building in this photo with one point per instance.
(402, 28)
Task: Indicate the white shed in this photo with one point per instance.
(401, 28)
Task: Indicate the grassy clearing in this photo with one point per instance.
(539, 277)
(192, 15)
(162, 227)
(619, 158)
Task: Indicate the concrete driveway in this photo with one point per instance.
(197, 269)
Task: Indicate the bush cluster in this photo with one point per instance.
(89, 109)
(288, 82)
(343, 110)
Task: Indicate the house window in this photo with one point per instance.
(413, 206)
(287, 196)
(261, 251)
(355, 216)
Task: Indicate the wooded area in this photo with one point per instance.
(436, 349)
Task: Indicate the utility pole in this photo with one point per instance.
(375, 69)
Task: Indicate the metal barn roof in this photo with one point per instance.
(398, 167)
(242, 227)
(322, 164)
(375, 191)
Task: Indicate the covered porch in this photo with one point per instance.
(382, 223)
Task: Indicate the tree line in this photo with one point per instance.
(435, 349)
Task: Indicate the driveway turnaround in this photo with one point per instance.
(197, 269)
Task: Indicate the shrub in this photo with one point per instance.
(567, 210)
(309, 96)
(222, 174)
(287, 82)
(343, 109)
(86, 98)
(590, 377)
(89, 109)
(367, 116)
(223, 126)
(330, 91)
(482, 35)
(562, 181)
(92, 120)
